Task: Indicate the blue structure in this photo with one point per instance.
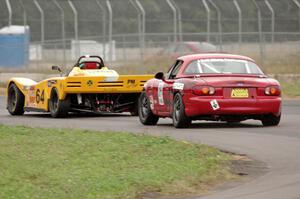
(14, 46)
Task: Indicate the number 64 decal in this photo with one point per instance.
(40, 96)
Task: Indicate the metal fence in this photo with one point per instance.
(133, 30)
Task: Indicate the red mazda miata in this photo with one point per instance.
(217, 87)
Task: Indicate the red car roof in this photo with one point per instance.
(214, 56)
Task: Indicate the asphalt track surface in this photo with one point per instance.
(278, 147)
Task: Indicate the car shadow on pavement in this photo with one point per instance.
(78, 115)
(214, 125)
(224, 125)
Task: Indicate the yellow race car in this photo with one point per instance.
(89, 87)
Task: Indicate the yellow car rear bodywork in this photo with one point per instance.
(37, 94)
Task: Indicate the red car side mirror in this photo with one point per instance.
(160, 76)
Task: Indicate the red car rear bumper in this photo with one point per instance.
(198, 105)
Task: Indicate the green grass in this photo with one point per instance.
(3, 85)
(291, 89)
(55, 163)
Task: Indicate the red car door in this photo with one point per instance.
(165, 90)
(156, 96)
(161, 95)
(168, 97)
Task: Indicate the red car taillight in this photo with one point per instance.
(273, 90)
(203, 90)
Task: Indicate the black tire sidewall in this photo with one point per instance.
(20, 100)
(142, 117)
(51, 103)
(150, 118)
(62, 105)
(271, 120)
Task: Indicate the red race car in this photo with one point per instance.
(217, 87)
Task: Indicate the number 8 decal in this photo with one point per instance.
(160, 93)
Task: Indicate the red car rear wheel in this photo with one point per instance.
(145, 114)
(270, 120)
(180, 120)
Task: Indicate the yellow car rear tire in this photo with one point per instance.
(58, 108)
(15, 100)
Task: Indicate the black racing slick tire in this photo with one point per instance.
(58, 108)
(270, 120)
(145, 113)
(15, 100)
(180, 120)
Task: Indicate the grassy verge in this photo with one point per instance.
(52, 163)
(2, 88)
(3, 85)
(2, 91)
(149, 66)
(291, 89)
